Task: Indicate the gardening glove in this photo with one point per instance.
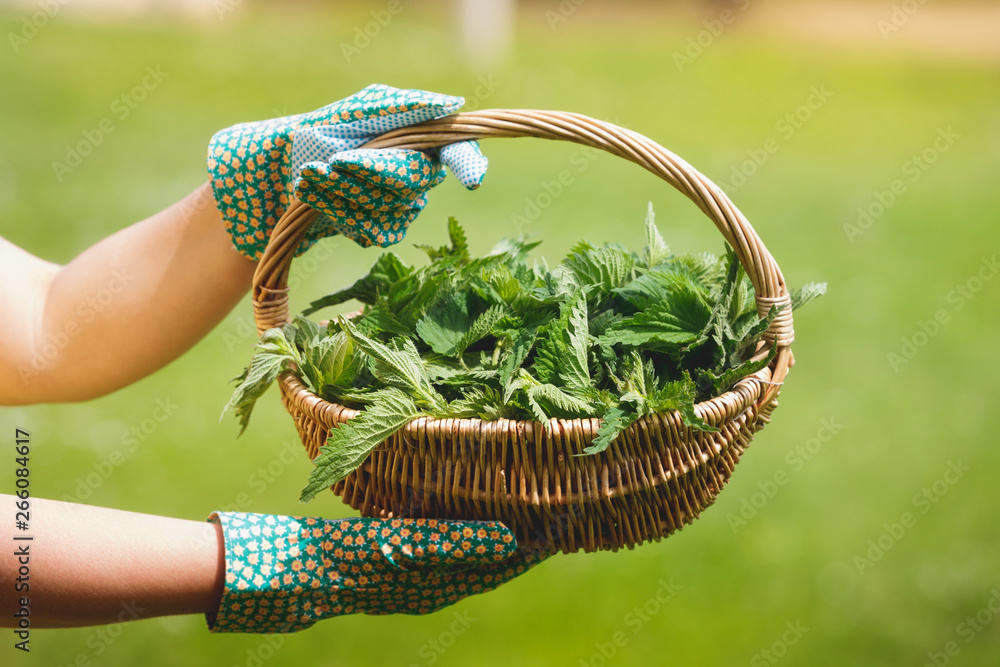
(285, 573)
(256, 167)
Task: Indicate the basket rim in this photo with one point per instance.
(716, 410)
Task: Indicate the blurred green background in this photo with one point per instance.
(807, 114)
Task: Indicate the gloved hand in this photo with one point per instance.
(285, 573)
(370, 196)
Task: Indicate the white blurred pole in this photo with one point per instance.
(487, 30)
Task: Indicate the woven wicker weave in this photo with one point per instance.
(658, 476)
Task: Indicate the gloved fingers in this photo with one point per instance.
(355, 120)
(378, 108)
(466, 161)
(348, 218)
(426, 590)
(404, 171)
(332, 185)
(419, 544)
(319, 144)
(390, 229)
(380, 180)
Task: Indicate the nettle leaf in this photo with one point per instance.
(748, 336)
(655, 285)
(399, 365)
(548, 401)
(336, 359)
(411, 300)
(807, 293)
(483, 402)
(576, 372)
(379, 319)
(656, 251)
(274, 355)
(517, 249)
(481, 328)
(614, 421)
(676, 321)
(603, 321)
(349, 444)
(520, 343)
(606, 267)
(305, 330)
(387, 271)
(718, 332)
(502, 284)
(563, 346)
(462, 377)
(521, 383)
(674, 395)
(721, 383)
(679, 395)
(458, 250)
(444, 325)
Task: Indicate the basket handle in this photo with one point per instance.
(270, 281)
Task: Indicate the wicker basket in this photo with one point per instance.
(657, 476)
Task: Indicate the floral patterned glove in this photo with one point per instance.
(285, 573)
(369, 196)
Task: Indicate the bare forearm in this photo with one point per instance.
(92, 566)
(122, 309)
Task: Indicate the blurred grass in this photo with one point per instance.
(792, 561)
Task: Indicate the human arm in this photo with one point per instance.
(140, 298)
(122, 309)
(93, 566)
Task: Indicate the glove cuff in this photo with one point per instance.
(248, 167)
(273, 563)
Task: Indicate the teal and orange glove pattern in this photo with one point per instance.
(285, 573)
(371, 196)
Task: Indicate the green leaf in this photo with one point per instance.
(444, 325)
(481, 328)
(679, 395)
(379, 319)
(520, 343)
(479, 401)
(517, 249)
(459, 249)
(576, 371)
(659, 284)
(275, 354)
(502, 284)
(605, 267)
(807, 293)
(676, 321)
(548, 400)
(349, 444)
(388, 270)
(411, 298)
(722, 382)
(459, 244)
(563, 346)
(614, 421)
(717, 340)
(336, 361)
(656, 251)
(747, 337)
(398, 366)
